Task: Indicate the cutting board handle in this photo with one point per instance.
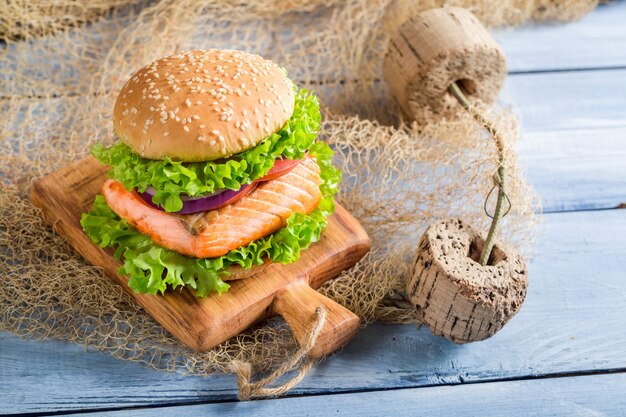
(297, 304)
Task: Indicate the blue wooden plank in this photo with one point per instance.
(571, 322)
(567, 100)
(54, 375)
(583, 396)
(598, 40)
(577, 169)
(573, 144)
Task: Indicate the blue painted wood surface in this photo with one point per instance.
(584, 396)
(574, 150)
(596, 41)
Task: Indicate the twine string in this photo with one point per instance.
(243, 370)
(499, 177)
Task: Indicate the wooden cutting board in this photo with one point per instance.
(201, 323)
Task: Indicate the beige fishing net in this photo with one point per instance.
(62, 64)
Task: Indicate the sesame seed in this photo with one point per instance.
(186, 128)
(166, 133)
(196, 117)
(202, 126)
(215, 132)
(212, 142)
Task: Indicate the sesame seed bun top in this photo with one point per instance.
(202, 105)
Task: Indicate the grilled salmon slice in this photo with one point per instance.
(214, 233)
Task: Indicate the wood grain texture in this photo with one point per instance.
(202, 323)
(581, 169)
(598, 40)
(572, 145)
(567, 101)
(573, 397)
(572, 321)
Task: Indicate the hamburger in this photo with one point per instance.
(217, 165)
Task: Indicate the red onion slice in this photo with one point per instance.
(212, 202)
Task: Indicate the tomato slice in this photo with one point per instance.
(280, 168)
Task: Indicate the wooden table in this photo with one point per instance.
(565, 352)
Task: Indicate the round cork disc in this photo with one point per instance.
(434, 49)
(457, 297)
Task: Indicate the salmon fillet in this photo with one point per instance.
(214, 233)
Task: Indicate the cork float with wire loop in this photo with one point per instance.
(465, 287)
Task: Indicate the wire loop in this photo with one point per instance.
(497, 184)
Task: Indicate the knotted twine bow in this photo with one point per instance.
(249, 390)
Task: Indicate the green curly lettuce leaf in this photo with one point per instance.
(151, 268)
(171, 178)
